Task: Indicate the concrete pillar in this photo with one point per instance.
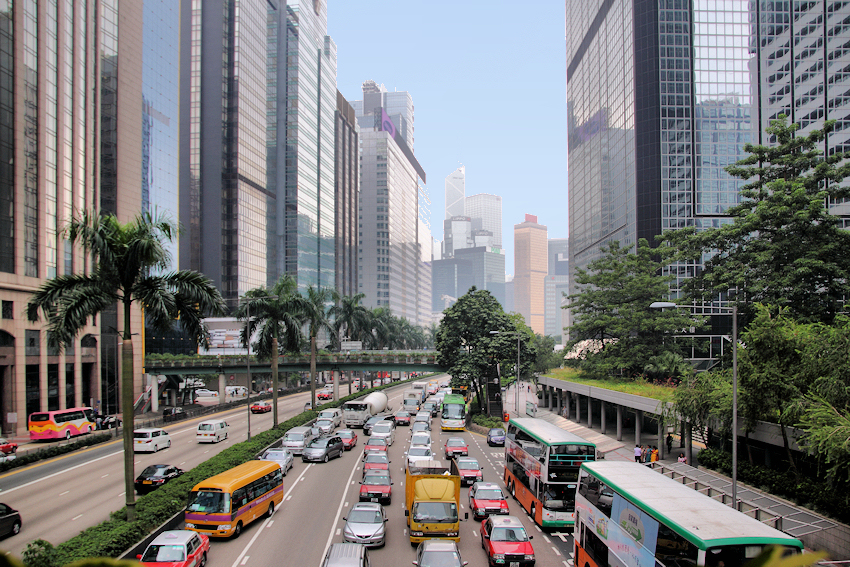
(681, 434)
(173, 396)
(638, 424)
(154, 392)
(589, 412)
(559, 402)
(619, 422)
(602, 417)
(222, 389)
(335, 379)
(689, 445)
(578, 409)
(567, 404)
(660, 443)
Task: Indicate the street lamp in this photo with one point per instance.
(248, 301)
(516, 386)
(734, 311)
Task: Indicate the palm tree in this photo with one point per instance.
(351, 319)
(314, 314)
(382, 326)
(129, 266)
(274, 313)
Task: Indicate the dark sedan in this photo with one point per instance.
(496, 437)
(155, 476)
(10, 521)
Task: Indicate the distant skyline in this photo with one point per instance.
(488, 81)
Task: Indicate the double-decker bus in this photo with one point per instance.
(453, 416)
(628, 515)
(542, 462)
(61, 424)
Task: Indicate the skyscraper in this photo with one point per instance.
(393, 253)
(223, 195)
(486, 213)
(662, 95)
(557, 284)
(455, 193)
(347, 193)
(530, 267)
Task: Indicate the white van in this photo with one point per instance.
(236, 391)
(333, 414)
(212, 431)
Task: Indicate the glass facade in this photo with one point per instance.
(455, 193)
(7, 138)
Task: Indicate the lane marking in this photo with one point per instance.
(555, 549)
(76, 517)
(547, 539)
(270, 524)
(60, 472)
(104, 476)
(64, 493)
(244, 560)
(338, 530)
(339, 513)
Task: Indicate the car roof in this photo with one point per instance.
(486, 486)
(173, 537)
(148, 430)
(506, 522)
(366, 506)
(439, 545)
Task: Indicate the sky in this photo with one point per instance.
(488, 82)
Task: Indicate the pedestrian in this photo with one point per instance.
(682, 458)
(643, 453)
(98, 423)
(654, 456)
(637, 453)
(669, 443)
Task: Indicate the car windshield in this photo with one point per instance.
(345, 434)
(365, 517)
(382, 428)
(489, 494)
(420, 440)
(324, 423)
(319, 442)
(376, 458)
(154, 470)
(456, 443)
(209, 502)
(508, 534)
(164, 554)
(402, 414)
(468, 464)
(440, 559)
(274, 455)
(354, 406)
(376, 480)
(497, 432)
(377, 442)
(435, 512)
(205, 427)
(420, 426)
(419, 452)
(293, 437)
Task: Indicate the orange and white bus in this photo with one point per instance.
(542, 462)
(61, 424)
(224, 504)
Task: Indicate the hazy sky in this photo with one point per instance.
(488, 81)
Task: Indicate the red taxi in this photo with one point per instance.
(456, 446)
(325, 394)
(469, 469)
(349, 438)
(402, 418)
(377, 486)
(177, 548)
(8, 447)
(376, 462)
(506, 542)
(486, 498)
(375, 444)
(261, 407)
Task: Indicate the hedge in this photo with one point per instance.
(811, 493)
(55, 451)
(114, 536)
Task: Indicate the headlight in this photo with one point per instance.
(499, 556)
(224, 526)
(529, 557)
(190, 526)
(480, 510)
(348, 533)
(417, 534)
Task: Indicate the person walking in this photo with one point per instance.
(669, 444)
(644, 453)
(637, 453)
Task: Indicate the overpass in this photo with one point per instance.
(384, 361)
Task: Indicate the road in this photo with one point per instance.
(59, 498)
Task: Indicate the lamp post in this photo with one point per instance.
(516, 386)
(734, 312)
(248, 301)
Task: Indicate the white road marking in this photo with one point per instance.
(184, 462)
(346, 505)
(271, 522)
(104, 476)
(289, 497)
(244, 560)
(137, 462)
(555, 549)
(338, 514)
(539, 530)
(337, 531)
(547, 539)
(76, 517)
(61, 472)
(122, 494)
(64, 493)
(565, 563)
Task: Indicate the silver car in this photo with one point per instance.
(281, 456)
(324, 426)
(366, 524)
(323, 449)
(384, 430)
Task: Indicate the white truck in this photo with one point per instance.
(356, 412)
(410, 400)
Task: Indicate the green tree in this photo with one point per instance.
(783, 247)
(129, 263)
(612, 308)
(351, 319)
(827, 434)
(547, 357)
(274, 316)
(667, 367)
(704, 400)
(315, 313)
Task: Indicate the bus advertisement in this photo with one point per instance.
(632, 516)
(542, 463)
(61, 424)
(454, 412)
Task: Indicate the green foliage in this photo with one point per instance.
(486, 421)
(55, 450)
(547, 357)
(39, 553)
(667, 367)
(612, 309)
(827, 434)
(783, 247)
(703, 399)
(275, 314)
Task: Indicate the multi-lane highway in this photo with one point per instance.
(61, 497)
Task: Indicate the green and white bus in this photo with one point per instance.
(542, 462)
(628, 515)
(453, 415)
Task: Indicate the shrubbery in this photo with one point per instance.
(55, 451)
(804, 491)
(486, 421)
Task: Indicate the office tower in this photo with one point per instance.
(486, 211)
(451, 278)
(455, 193)
(347, 191)
(457, 233)
(557, 284)
(530, 266)
(559, 256)
(510, 305)
(223, 195)
(69, 146)
(662, 95)
(488, 269)
(393, 251)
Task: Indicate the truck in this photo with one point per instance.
(432, 501)
(410, 400)
(356, 412)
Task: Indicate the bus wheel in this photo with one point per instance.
(513, 490)
(271, 509)
(238, 531)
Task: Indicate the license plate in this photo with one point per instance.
(374, 499)
(146, 482)
(514, 564)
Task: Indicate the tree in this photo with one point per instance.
(315, 314)
(129, 263)
(783, 247)
(274, 314)
(612, 308)
(547, 357)
(351, 319)
(667, 367)
(827, 433)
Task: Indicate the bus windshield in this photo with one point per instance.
(435, 512)
(209, 502)
(559, 497)
(453, 411)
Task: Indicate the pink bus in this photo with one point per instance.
(60, 424)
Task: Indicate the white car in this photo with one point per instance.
(418, 453)
(206, 393)
(420, 438)
(150, 440)
(384, 430)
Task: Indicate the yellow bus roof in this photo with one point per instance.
(238, 476)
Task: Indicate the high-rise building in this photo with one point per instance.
(223, 194)
(455, 193)
(557, 284)
(73, 138)
(457, 234)
(488, 269)
(530, 267)
(394, 253)
(347, 182)
(486, 213)
(559, 256)
(662, 95)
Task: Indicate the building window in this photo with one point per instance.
(8, 310)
